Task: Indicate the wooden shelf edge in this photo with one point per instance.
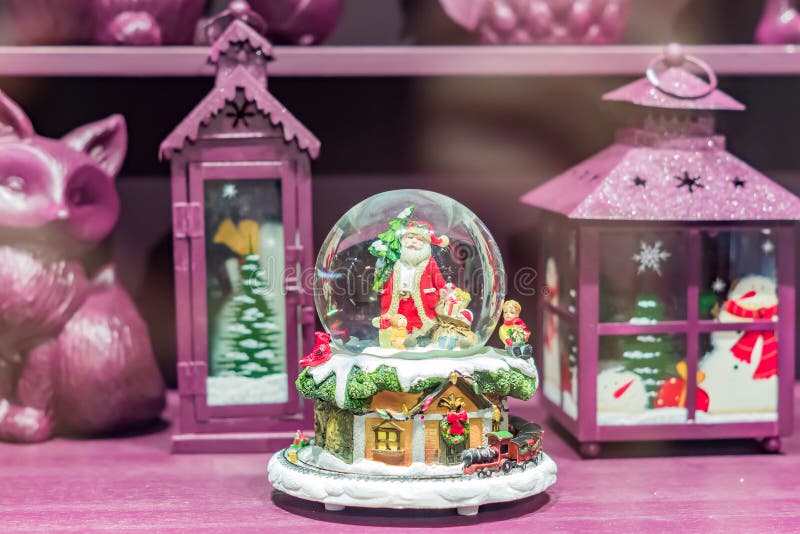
(377, 61)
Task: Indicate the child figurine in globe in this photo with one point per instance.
(410, 405)
(514, 332)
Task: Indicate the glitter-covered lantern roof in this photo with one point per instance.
(673, 169)
(240, 53)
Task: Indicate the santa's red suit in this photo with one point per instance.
(418, 308)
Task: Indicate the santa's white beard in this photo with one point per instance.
(412, 258)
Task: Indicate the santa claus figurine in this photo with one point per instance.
(413, 287)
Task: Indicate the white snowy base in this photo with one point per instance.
(312, 483)
(753, 417)
(240, 390)
(660, 416)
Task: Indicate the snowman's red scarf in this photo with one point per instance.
(743, 350)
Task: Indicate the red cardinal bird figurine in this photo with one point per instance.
(320, 353)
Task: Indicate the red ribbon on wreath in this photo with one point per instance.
(454, 420)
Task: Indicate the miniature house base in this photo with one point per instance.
(449, 489)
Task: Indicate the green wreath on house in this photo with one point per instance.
(452, 439)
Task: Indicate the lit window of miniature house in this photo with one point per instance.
(668, 311)
(240, 180)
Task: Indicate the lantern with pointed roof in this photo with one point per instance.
(240, 165)
(668, 306)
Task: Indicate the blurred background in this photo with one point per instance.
(481, 140)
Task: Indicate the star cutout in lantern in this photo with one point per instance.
(738, 182)
(638, 181)
(688, 181)
(240, 113)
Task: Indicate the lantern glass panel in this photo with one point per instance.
(738, 275)
(561, 273)
(560, 362)
(246, 304)
(568, 366)
(642, 277)
(551, 356)
(634, 374)
(738, 377)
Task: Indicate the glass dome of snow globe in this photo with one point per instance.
(409, 274)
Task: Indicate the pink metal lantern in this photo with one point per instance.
(669, 265)
(240, 178)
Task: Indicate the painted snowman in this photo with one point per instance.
(620, 391)
(741, 369)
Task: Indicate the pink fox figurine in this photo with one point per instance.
(75, 355)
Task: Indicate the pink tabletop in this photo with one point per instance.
(134, 483)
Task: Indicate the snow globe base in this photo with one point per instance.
(313, 477)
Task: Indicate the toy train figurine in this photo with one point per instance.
(505, 451)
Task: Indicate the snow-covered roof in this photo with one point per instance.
(464, 384)
(188, 130)
(411, 372)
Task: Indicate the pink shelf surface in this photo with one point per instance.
(132, 483)
(188, 61)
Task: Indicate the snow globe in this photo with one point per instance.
(410, 404)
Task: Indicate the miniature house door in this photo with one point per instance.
(245, 295)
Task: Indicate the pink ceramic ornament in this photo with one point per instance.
(555, 22)
(302, 22)
(74, 353)
(779, 23)
(107, 22)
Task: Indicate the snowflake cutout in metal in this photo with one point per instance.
(240, 113)
(650, 257)
(229, 191)
(718, 285)
(689, 182)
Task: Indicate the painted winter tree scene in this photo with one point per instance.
(246, 304)
(642, 283)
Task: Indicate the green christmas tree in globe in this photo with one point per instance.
(651, 356)
(251, 333)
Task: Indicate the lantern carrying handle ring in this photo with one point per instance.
(672, 57)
